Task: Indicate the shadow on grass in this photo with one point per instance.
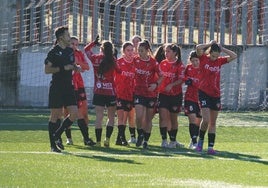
(112, 154)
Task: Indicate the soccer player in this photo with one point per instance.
(105, 66)
(131, 115)
(191, 105)
(60, 62)
(124, 90)
(209, 89)
(145, 96)
(81, 97)
(171, 72)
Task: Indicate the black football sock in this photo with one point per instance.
(98, 133)
(109, 131)
(163, 132)
(132, 132)
(51, 131)
(68, 132)
(146, 136)
(201, 134)
(211, 139)
(83, 128)
(65, 124)
(193, 129)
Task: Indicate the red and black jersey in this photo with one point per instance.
(125, 79)
(171, 72)
(146, 72)
(77, 77)
(193, 73)
(103, 84)
(210, 75)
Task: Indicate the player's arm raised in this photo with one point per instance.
(200, 48)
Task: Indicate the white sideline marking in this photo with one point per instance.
(137, 155)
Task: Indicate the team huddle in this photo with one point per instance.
(134, 86)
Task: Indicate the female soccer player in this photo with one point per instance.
(60, 63)
(105, 66)
(81, 97)
(191, 105)
(145, 97)
(209, 90)
(131, 115)
(124, 90)
(171, 71)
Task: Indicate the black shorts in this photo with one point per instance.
(191, 107)
(124, 105)
(104, 100)
(60, 97)
(148, 102)
(172, 103)
(213, 103)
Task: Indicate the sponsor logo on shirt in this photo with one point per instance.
(212, 69)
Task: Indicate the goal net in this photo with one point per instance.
(27, 33)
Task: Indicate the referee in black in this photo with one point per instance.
(60, 63)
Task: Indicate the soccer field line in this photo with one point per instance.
(154, 124)
(158, 155)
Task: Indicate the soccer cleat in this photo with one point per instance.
(55, 149)
(179, 145)
(58, 142)
(106, 143)
(192, 146)
(139, 141)
(199, 147)
(89, 142)
(164, 144)
(175, 144)
(172, 144)
(69, 141)
(211, 151)
(132, 140)
(145, 145)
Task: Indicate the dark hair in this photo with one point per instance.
(126, 44)
(108, 61)
(193, 54)
(159, 54)
(175, 48)
(146, 44)
(60, 31)
(74, 38)
(215, 48)
(136, 36)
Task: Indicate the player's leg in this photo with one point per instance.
(132, 126)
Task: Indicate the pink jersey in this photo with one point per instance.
(125, 80)
(77, 77)
(145, 74)
(210, 75)
(105, 84)
(193, 73)
(171, 72)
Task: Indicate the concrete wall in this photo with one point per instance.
(243, 83)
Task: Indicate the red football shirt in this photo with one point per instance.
(171, 72)
(77, 77)
(125, 79)
(193, 73)
(210, 75)
(103, 85)
(146, 72)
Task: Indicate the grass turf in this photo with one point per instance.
(25, 160)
